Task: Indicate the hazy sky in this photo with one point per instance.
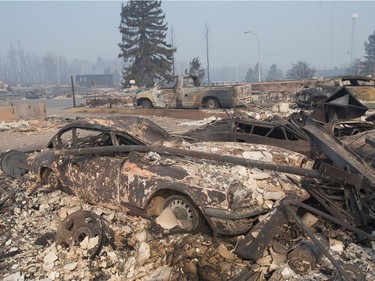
(317, 32)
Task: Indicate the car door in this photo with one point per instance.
(92, 178)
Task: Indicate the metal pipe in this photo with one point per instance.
(196, 154)
(229, 215)
(334, 220)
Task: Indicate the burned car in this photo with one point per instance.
(131, 164)
(276, 132)
(362, 87)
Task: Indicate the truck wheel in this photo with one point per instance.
(212, 103)
(146, 103)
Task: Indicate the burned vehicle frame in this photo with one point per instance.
(362, 87)
(276, 132)
(132, 164)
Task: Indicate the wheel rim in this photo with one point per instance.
(211, 104)
(184, 213)
(53, 180)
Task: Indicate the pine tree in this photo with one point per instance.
(196, 70)
(252, 74)
(370, 54)
(274, 73)
(147, 55)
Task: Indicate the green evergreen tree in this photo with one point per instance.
(196, 70)
(274, 73)
(370, 55)
(147, 55)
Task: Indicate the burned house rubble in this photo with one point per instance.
(120, 198)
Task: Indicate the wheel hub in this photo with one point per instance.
(183, 213)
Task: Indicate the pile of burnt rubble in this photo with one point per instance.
(133, 248)
(327, 237)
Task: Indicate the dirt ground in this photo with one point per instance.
(142, 250)
(34, 134)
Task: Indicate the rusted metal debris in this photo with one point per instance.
(14, 163)
(361, 86)
(82, 225)
(254, 247)
(131, 130)
(306, 256)
(276, 132)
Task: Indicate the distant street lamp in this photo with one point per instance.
(354, 18)
(256, 36)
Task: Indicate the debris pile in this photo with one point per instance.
(254, 209)
(142, 250)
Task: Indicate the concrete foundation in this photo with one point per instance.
(23, 111)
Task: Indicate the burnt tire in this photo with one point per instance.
(145, 103)
(212, 103)
(185, 212)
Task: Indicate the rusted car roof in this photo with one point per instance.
(139, 128)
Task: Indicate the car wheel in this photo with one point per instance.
(146, 103)
(212, 103)
(184, 211)
(50, 178)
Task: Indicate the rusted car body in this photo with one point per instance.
(190, 95)
(362, 87)
(277, 132)
(111, 165)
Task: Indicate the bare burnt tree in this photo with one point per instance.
(207, 39)
(301, 70)
(173, 43)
